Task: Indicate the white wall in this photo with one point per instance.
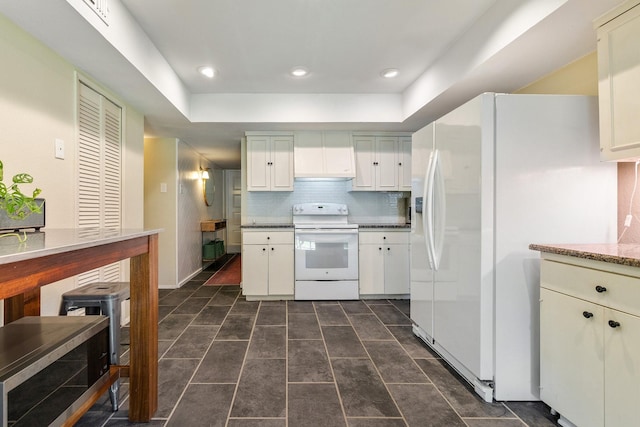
(37, 105)
(180, 209)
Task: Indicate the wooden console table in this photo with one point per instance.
(213, 226)
(56, 254)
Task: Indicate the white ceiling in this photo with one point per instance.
(446, 51)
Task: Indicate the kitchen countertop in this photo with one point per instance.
(615, 253)
(266, 226)
(361, 226)
(400, 226)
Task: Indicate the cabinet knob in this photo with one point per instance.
(268, 237)
(601, 289)
(587, 315)
(271, 248)
(264, 249)
(614, 324)
(379, 249)
(388, 249)
(400, 164)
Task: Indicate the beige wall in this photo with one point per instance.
(160, 166)
(38, 105)
(577, 78)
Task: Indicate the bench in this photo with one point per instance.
(31, 344)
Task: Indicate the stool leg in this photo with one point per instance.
(112, 309)
(64, 307)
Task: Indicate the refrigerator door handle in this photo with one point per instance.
(427, 218)
(440, 204)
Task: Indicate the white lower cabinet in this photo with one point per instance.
(589, 347)
(571, 357)
(267, 263)
(384, 262)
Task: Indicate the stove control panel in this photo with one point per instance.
(320, 209)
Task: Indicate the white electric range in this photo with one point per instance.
(326, 252)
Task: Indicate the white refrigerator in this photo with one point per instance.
(489, 178)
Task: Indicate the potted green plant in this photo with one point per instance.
(15, 205)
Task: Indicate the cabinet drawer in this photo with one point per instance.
(267, 237)
(616, 291)
(383, 237)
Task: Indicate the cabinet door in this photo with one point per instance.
(255, 270)
(386, 163)
(396, 269)
(258, 159)
(364, 148)
(572, 357)
(371, 269)
(308, 154)
(281, 270)
(338, 155)
(281, 163)
(621, 369)
(619, 86)
(404, 163)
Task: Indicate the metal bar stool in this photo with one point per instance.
(102, 298)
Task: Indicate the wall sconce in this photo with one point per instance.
(208, 186)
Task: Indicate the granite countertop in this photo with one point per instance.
(401, 226)
(262, 225)
(615, 253)
(360, 226)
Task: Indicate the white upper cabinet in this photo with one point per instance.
(383, 163)
(404, 163)
(323, 155)
(619, 82)
(269, 163)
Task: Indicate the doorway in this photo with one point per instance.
(234, 204)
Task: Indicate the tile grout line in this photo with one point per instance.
(286, 363)
(175, 406)
(244, 360)
(374, 364)
(333, 374)
(432, 383)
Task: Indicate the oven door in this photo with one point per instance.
(326, 254)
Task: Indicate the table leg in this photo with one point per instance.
(27, 304)
(143, 393)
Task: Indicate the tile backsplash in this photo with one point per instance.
(368, 207)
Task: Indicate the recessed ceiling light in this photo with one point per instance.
(389, 73)
(299, 71)
(207, 71)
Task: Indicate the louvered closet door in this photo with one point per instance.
(99, 171)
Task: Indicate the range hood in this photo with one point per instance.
(323, 156)
(323, 178)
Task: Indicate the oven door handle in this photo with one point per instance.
(326, 231)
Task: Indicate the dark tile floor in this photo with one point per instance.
(224, 361)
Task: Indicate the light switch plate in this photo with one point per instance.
(59, 148)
